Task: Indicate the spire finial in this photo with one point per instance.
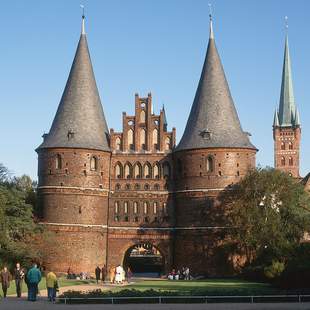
(211, 25)
(83, 19)
(286, 22)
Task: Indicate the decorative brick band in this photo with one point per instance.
(75, 225)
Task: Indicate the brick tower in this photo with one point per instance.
(73, 171)
(286, 124)
(213, 153)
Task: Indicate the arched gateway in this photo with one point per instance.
(144, 258)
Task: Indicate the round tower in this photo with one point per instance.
(213, 153)
(73, 171)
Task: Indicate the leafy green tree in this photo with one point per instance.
(268, 212)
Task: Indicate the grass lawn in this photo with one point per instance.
(207, 287)
(42, 285)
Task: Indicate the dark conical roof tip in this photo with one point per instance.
(213, 120)
(79, 121)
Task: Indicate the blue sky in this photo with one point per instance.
(147, 45)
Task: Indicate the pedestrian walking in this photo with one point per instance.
(129, 275)
(52, 286)
(97, 273)
(19, 276)
(5, 279)
(103, 273)
(33, 279)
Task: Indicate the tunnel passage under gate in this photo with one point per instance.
(144, 259)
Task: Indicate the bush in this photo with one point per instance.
(274, 270)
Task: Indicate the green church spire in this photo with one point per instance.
(287, 106)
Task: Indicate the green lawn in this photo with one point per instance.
(206, 287)
(42, 285)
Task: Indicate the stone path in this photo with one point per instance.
(22, 304)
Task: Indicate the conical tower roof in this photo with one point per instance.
(213, 120)
(79, 121)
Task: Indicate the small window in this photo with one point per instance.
(127, 186)
(282, 146)
(117, 186)
(116, 207)
(135, 208)
(126, 219)
(93, 163)
(125, 207)
(209, 164)
(155, 208)
(118, 143)
(290, 146)
(116, 218)
(167, 144)
(166, 170)
(142, 116)
(164, 208)
(58, 161)
(118, 171)
(156, 187)
(145, 208)
(146, 187)
(290, 161)
(282, 161)
(80, 210)
(136, 219)
(146, 219)
(137, 186)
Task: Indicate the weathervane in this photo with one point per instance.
(210, 10)
(286, 22)
(83, 10)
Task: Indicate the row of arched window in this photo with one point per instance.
(93, 163)
(143, 140)
(137, 171)
(137, 187)
(290, 161)
(283, 145)
(138, 208)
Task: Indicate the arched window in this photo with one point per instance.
(117, 186)
(135, 208)
(290, 161)
(137, 186)
(130, 139)
(116, 207)
(118, 143)
(282, 146)
(164, 208)
(282, 161)
(155, 139)
(290, 146)
(118, 171)
(58, 161)
(93, 163)
(125, 207)
(167, 144)
(156, 170)
(147, 171)
(166, 170)
(155, 207)
(156, 187)
(145, 207)
(137, 171)
(127, 171)
(143, 139)
(142, 116)
(146, 187)
(209, 164)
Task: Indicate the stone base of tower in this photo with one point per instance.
(80, 248)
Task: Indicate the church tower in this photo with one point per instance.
(213, 153)
(286, 124)
(73, 172)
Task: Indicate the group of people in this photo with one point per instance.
(118, 275)
(183, 274)
(32, 278)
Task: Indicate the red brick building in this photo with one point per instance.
(108, 196)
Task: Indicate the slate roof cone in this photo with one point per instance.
(213, 120)
(288, 112)
(79, 121)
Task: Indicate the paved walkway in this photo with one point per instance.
(22, 304)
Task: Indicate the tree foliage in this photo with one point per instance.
(268, 212)
(17, 223)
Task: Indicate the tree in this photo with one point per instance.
(268, 212)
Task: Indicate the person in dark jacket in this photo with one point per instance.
(33, 279)
(103, 273)
(19, 276)
(5, 279)
(97, 272)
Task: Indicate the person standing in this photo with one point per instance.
(103, 273)
(52, 286)
(112, 274)
(33, 278)
(5, 279)
(19, 277)
(97, 273)
(129, 275)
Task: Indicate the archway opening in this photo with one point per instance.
(144, 260)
